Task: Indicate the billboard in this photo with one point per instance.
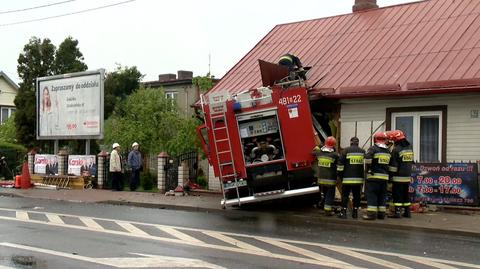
(46, 164)
(70, 106)
(445, 183)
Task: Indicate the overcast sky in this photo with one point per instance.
(157, 36)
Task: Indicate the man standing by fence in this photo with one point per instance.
(116, 169)
(135, 162)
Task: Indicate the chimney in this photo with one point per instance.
(166, 77)
(363, 5)
(184, 74)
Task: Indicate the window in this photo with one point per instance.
(172, 96)
(5, 113)
(424, 130)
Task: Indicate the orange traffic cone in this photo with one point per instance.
(18, 181)
(26, 180)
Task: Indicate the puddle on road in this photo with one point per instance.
(22, 262)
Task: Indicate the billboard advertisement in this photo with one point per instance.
(46, 164)
(447, 184)
(70, 106)
(82, 165)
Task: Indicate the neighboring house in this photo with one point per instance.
(8, 91)
(414, 67)
(179, 89)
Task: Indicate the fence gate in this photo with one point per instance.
(191, 159)
(171, 173)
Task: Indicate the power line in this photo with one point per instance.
(36, 7)
(67, 14)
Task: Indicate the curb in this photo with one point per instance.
(162, 206)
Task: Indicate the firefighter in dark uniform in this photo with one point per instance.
(377, 162)
(293, 64)
(327, 172)
(401, 171)
(351, 172)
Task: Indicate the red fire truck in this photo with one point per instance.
(260, 142)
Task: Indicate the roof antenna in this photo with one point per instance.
(209, 61)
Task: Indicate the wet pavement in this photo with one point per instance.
(93, 232)
(457, 222)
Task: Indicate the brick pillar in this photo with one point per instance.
(213, 182)
(31, 161)
(162, 161)
(62, 162)
(183, 173)
(102, 169)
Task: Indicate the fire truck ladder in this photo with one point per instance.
(231, 162)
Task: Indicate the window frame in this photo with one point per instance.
(418, 112)
(11, 110)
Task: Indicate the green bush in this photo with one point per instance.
(148, 181)
(202, 181)
(14, 156)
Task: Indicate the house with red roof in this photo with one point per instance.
(414, 67)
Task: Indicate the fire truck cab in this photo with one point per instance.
(260, 143)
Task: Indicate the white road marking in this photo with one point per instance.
(430, 263)
(201, 244)
(145, 261)
(130, 228)
(178, 234)
(285, 257)
(4, 267)
(91, 223)
(233, 241)
(367, 258)
(302, 251)
(22, 215)
(54, 218)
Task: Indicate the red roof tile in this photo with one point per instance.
(432, 40)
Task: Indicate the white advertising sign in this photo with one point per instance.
(46, 164)
(82, 165)
(70, 106)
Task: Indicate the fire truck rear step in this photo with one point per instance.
(285, 194)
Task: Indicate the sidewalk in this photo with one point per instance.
(459, 222)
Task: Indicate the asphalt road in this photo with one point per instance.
(58, 234)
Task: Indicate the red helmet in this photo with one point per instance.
(396, 135)
(380, 137)
(330, 142)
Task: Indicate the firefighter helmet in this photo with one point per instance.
(330, 142)
(380, 137)
(396, 135)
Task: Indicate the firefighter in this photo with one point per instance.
(377, 162)
(327, 172)
(401, 171)
(293, 64)
(351, 172)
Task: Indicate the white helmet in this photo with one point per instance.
(135, 144)
(115, 145)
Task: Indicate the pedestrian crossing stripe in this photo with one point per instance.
(177, 235)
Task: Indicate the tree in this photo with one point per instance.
(8, 131)
(150, 119)
(118, 84)
(68, 58)
(35, 61)
(39, 59)
(204, 83)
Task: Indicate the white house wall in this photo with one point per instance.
(463, 129)
(7, 93)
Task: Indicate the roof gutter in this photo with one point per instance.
(411, 89)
